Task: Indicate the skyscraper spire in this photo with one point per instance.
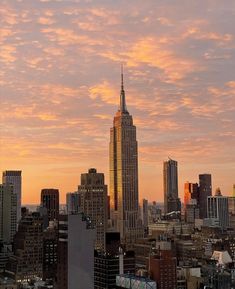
(122, 94)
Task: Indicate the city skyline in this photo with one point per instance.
(59, 89)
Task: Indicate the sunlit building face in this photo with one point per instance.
(124, 196)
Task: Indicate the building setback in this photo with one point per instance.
(123, 157)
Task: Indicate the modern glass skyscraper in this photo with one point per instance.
(123, 154)
(170, 182)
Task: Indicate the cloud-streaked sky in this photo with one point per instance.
(60, 82)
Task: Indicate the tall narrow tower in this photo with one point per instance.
(170, 182)
(123, 154)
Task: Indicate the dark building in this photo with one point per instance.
(62, 265)
(205, 190)
(113, 242)
(107, 267)
(26, 263)
(50, 200)
(162, 268)
(50, 253)
(170, 183)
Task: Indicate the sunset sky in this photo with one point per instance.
(60, 82)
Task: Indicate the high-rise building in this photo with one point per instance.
(8, 213)
(73, 202)
(50, 253)
(190, 192)
(75, 268)
(218, 208)
(233, 190)
(14, 178)
(50, 201)
(205, 190)
(27, 262)
(93, 196)
(145, 213)
(123, 157)
(170, 182)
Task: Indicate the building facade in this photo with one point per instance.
(73, 203)
(50, 201)
(27, 262)
(205, 190)
(8, 213)
(14, 178)
(75, 268)
(123, 157)
(93, 196)
(217, 208)
(170, 183)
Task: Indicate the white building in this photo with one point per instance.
(8, 213)
(14, 178)
(217, 208)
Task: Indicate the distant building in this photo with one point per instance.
(217, 208)
(14, 178)
(192, 211)
(170, 182)
(233, 190)
(8, 213)
(191, 191)
(145, 214)
(50, 200)
(73, 202)
(93, 196)
(75, 268)
(205, 190)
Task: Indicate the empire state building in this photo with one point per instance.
(123, 155)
